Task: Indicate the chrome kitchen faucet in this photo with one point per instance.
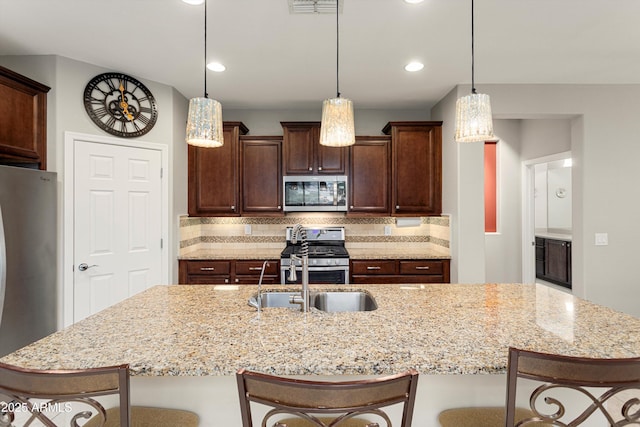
(300, 233)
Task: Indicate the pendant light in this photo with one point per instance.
(204, 121)
(473, 112)
(337, 127)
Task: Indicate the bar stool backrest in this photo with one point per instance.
(309, 399)
(70, 392)
(598, 380)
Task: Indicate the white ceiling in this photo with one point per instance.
(278, 60)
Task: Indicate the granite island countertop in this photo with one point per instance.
(232, 254)
(201, 330)
(354, 253)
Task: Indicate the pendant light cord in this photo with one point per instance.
(206, 95)
(337, 49)
(473, 82)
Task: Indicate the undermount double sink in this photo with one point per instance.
(329, 301)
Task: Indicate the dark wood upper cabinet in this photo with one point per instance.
(213, 176)
(261, 183)
(416, 168)
(369, 176)
(23, 120)
(303, 154)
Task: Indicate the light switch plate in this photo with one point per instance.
(247, 229)
(602, 239)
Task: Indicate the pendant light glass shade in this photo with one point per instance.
(204, 123)
(473, 118)
(204, 120)
(473, 112)
(337, 127)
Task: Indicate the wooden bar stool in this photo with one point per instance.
(298, 403)
(598, 380)
(71, 394)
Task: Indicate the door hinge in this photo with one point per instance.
(161, 173)
(161, 243)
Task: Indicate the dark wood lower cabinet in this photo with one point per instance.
(240, 272)
(247, 272)
(553, 261)
(400, 271)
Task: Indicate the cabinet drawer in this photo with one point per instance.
(373, 267)
(207, 280)
(208, 267)
(255, 267)
(421, 267)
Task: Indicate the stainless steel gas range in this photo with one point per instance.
(328, 258)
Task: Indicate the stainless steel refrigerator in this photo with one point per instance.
(28, 290)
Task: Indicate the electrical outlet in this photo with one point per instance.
(387, 230)
(247, 229)
(602, 239)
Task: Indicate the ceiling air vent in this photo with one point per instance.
(314, 6)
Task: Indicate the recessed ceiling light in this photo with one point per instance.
(414, 66)
(216, 66)
(406, 1)
(194, 2)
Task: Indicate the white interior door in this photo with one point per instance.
(117, 224)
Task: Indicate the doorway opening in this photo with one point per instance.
(546, 220)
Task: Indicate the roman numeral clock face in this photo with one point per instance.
(120, 105)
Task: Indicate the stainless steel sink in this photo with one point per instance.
(329, 301)
(344, 301)
(274, 299)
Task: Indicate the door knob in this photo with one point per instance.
(84, 266)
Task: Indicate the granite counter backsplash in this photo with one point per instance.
(222, 235)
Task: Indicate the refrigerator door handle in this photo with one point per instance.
(3, 265)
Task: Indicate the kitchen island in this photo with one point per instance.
(184, 343)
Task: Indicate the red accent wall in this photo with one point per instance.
(490, 187)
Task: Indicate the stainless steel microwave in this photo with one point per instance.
(315, 193)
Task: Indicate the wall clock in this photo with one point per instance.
(120, 105)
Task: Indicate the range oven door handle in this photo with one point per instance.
(314, 268)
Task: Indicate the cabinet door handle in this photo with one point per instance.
(310, 169)
(320, 168)
(207, 268)
(351, 207)
(397, 206)
(279, 207)
(237, 280)
(255, 268)
(373, 268)
(226, 280)
(422, 268)
(233, 207)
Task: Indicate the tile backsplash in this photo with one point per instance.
(209, 233)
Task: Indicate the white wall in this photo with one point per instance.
(605, 149)
(559, 195)
(503, 249)
(542, 137)
(462, 196)
(367, 122)
(540, 195)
